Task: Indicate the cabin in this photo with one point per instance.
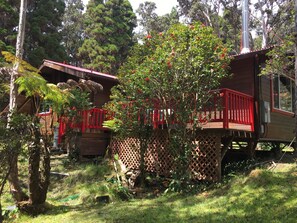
(248, 109)
(94, 137)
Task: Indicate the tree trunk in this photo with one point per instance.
(45, 173)
(18, 57)
(1, 217)
(18, 194)
(34, 164)
(295, 77)
(39, 169)
(13, 179)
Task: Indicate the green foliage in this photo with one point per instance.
(173, 72)
(72, 30)
(8, 22)
(43, 35)
(150, 22)
(108, 34)
(11, 140)
(281, 60)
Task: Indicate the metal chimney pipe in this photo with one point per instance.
(245, 27)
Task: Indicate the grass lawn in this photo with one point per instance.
(261, 196)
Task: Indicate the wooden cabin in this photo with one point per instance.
(94, 137)
(273, 97)
(251, 109)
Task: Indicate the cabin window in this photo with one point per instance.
(45, 108)
(283, 93)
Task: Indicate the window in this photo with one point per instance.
(283, 93)
(45, 108)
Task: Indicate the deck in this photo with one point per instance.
(227, 109)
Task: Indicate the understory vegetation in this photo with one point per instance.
(90, 192)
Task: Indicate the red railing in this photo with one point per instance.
(87, 119)
(231, 106)
(224, 106)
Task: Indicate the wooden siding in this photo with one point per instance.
(281, 127)
(242, 76)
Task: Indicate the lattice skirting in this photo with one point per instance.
(205, 162)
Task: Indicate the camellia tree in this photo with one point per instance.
(174, 73)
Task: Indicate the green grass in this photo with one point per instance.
(262, 196)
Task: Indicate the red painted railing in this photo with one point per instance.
(87, 119)
(230, 106)
(225, 106)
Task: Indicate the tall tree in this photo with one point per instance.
(150, 22)
(223, 16)
(108, 34)
(205, 11)
(295, 72)
(44, 39)
(72, 30)
(276, 19)
(230, 30)
(13, 177)
(8, 24)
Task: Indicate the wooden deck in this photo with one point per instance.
(228, 109)
(232, 126)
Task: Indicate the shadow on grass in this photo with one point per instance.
(264, 197)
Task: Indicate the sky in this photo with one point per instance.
(163, 6)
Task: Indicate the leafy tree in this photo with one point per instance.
(8, 23)
(72, 30)
(38, 90)
(108, 34)
(276, 20)
(174, 73)
(201, 10)
(43, 37)
(150, 22)
(223, 16)
(13, 176)
(231, 24)
(10, 140)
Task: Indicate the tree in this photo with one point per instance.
(231, 24)
(276, 20)
(223, 16)
(108, 34)
(8, 23)
(13, 176)
(295, 73)
(204, 11)
(38, 142)
(44, 38)
(72, 30)
(150, 22)
(9, 143)
(174, 73)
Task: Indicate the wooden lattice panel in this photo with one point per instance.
(205, 162)
(128, 151)
(158, 158)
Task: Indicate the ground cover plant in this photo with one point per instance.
(262, 195)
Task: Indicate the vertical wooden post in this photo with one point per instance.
(226, 109)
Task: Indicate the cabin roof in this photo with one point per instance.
(252, 53)
(76, 71)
